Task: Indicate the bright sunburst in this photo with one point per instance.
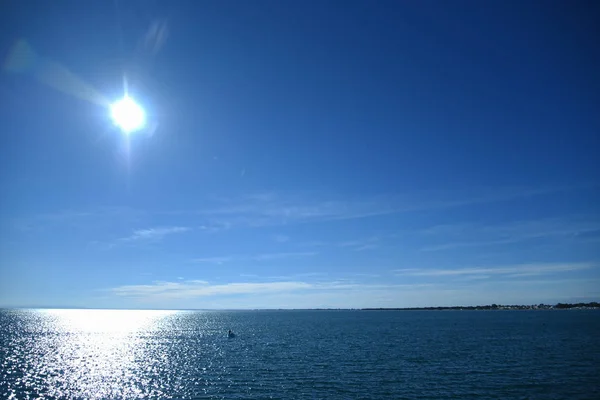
(128, 115)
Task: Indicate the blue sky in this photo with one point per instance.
(300, 154)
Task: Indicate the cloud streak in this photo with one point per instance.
(152, 234)
(156, 36)
(81, 219)
(196, 288)
(276, 209)
(281, 238)
(279, 256)
(511, 271)
(256, 257)
(270, 209)
(469, 235)
(361, 245)
(347, 294)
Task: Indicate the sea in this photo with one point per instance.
(326, 354)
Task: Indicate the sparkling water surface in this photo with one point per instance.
(103, 354)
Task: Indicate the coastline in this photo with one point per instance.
(559, 306)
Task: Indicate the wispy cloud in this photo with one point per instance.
(511, 271)
(368, 243)
(362, 244)
(255, 257)
(274, 209)
(200, 288)
(300, 293)
(214, 260)
(271, 209)
(278, 256)
(154, 233)
(470, 235)
(156, 36)
(313, 243)
(281, 238)
(80, 219)
(301, 275)
(367, 275)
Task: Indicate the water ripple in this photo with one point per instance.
(101, 354)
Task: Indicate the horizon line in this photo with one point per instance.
(290, 309)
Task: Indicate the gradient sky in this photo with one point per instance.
(300, 154)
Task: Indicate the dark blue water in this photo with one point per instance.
(300, 354)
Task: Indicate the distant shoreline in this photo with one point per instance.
(560, 306)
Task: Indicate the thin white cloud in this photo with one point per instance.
(156, 36)
(80, 219)
(470, 235)
(302, 294)
(256, 257)
(362, 244)
(198, 288)
(296, 276)
(278, 256)
(512, 270)
(271, 209)
(455, 245)
(155, 233)
(214, 260)
(368, 243)
(313, 243)
(281, 238)
(192, 289)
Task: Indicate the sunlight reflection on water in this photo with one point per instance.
(95, 354)
(90, 353)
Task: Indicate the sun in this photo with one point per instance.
(128, 115)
